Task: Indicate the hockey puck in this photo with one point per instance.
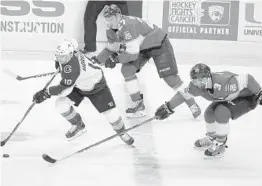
(6, 155)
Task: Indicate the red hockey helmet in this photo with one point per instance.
(199, 71)
(111, 10)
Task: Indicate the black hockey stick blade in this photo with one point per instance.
(2, 143)
(19, 78)
(48, 158)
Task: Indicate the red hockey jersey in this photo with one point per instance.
(136, 35)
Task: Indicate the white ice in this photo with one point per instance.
(163, 153)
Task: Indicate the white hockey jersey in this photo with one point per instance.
(79, 72)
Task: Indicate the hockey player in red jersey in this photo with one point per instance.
(232, 96)
(132, 42)
(81, 79)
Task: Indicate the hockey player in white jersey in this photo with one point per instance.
(81, 79)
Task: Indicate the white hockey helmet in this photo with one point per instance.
(65, 51)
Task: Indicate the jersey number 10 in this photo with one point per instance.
(68, 81)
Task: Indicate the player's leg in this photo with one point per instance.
(66, 109)
(104, 102)
(223, 113)
(210, 125)
(165, 62)
(129, 71)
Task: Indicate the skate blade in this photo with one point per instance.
(129, 142)
(138, 114)
(201, 148)
(77, 135)
(196, 115)
(214, 157)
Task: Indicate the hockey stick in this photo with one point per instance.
(20, 78)
(27, 112)
(53, 160)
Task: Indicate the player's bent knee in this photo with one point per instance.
(222, 114)
(241, 107)
(128, 70)
(209, 116)
(112, 115)
(63, 104)
(173, 81)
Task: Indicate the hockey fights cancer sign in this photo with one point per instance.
(198, 19)
(32, 16)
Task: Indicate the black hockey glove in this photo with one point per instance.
(163, 112)
(94, 60)
(112, 61)
(41, 96)
(255, 100)
(258, 98)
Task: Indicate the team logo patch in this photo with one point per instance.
(128, 35)
(217, 86)
(68, 69)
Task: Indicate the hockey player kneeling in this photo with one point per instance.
(232, 96)
(81, 79)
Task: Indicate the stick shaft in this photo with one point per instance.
(20, 78)
(107, 139)
(35, 76)
(27, 112)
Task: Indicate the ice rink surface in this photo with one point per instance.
(163, 154)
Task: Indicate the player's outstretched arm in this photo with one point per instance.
(165, 110)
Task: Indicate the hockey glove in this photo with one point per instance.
(94, 60)
(41, 96)
(258, 98)
(163, 112)
(255, 100)
(112, 61)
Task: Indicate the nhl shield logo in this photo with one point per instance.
(216, 13)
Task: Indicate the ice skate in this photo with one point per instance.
(204, 143)
(137, 110)
(127, 138)
(195, 109)
(216, 150)
(75, 131)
